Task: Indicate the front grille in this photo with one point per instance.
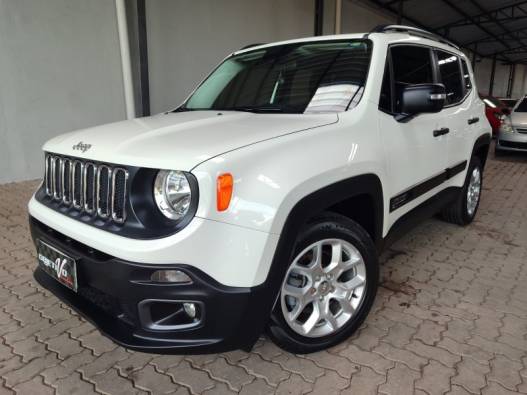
(94, 189)
(521, 130)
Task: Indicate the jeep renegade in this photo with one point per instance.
(262, 202)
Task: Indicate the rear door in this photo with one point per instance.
(414, 157)
(459, 115)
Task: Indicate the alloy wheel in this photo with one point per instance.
(323, 288)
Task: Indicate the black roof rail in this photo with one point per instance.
(414, 31)
(250, 46)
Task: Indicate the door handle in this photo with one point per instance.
(473, 120)
(441, 132)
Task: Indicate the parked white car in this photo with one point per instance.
(262, 202)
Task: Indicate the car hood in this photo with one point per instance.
(180, 140)
(519, 118)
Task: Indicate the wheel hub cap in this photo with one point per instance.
(323, 288)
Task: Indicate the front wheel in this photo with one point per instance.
(463, 210)
(328, 288)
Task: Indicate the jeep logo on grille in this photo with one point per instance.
(80, 146)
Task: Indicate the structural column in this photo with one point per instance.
(492, 72)
(126, 62)
(319, 17)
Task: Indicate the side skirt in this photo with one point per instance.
(420, 213)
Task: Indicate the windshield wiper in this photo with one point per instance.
(183, 109)
(255, 109)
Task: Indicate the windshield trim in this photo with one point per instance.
(182, 107)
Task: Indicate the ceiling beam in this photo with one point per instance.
(501, 25)
(506, 50)
(468, 17)
(509, 7)
(487, 21)
(487, 39)
(416, 23)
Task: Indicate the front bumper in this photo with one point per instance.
(512, 141)
(112, 293)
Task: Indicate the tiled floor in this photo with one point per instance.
(450, 316)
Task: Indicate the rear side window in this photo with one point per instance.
(411, 65)
(466, 76)
(450, 75)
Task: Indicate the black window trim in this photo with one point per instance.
(460, 66)
(467, 91)
(435, 73)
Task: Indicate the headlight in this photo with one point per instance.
(172, 193)
(506, 127)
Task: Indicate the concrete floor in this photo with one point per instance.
(450, 317)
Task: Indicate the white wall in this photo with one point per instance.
(59, 71)
(358, 17)
(187, 38)
(519, 88)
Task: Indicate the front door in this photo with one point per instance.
(416, 154)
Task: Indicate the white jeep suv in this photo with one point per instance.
(262, 202)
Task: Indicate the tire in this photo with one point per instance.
(459, 212)
(336, 287)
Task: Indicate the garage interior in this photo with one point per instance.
(451, 313)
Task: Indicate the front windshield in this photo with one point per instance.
(522, 107)
(317, 76)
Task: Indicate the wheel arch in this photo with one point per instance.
(336, 197)
(481, 148)
(315, 203)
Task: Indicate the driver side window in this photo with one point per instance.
(411, 64)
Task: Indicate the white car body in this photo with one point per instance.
(276, 161)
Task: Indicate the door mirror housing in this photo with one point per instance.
(419, 99)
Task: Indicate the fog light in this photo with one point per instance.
(190, 309)
(170, 276)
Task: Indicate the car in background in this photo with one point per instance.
(508, 102)
(512, 135)
(495, 110)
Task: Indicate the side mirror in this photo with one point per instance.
(421, 98)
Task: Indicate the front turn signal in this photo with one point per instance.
(224, 185)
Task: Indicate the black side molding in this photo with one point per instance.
(473, 120)
(420, 189)
(418, 214)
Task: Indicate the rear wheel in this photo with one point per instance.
(463, 210)
(328, 288)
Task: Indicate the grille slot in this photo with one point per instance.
(104, 176)
(76, 183)
(56, 165)
(47, 177)
(119, 179)
(89, 188)
(66, 181)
